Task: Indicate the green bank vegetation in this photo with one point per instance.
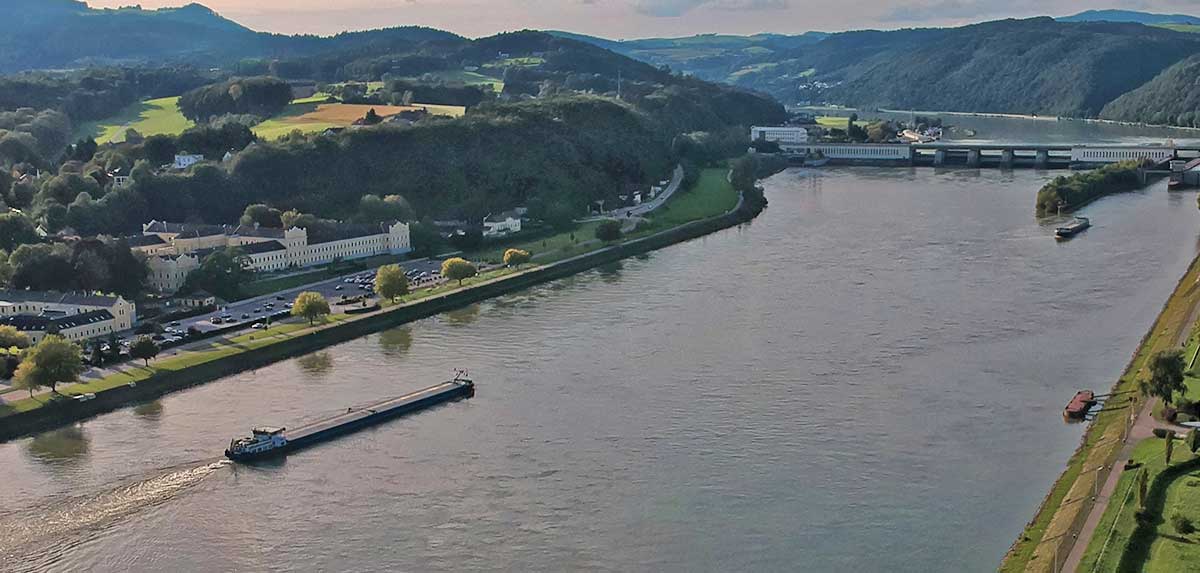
(1074, 191)
(1102, 440)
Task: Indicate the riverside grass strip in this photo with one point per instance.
(1061, 510)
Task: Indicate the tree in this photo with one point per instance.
(310, 305)
(1182, 524)
(1169, 445)
(52, 362)
(16, 229)
(458, 269)
(11, 337)
(1193, 440)
(372, 118)
(1143, 487)
(1166, 375)
(609, 231)
(390, 282)
(144, 348)
(221, 273)
(516, 257)
(263, 216)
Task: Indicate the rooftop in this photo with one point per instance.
(31, 322)
(71, 298)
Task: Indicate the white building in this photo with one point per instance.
(76, 316)
(501, 224)
(1117, 154)
(185, 160)
(860, 151)
(173, 250)
(787, 137)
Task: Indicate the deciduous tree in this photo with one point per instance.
(144, 348)
(516, 257)
(609, 231)
(458, 269)
(52, 362)
(11, 337)
(310, 305)
(1166, 375)
(390, 282)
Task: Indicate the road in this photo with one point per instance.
(648, 206)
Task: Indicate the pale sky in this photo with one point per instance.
(638, 18)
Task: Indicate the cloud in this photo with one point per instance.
(675, 8)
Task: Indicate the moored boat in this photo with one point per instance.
(1078, 407)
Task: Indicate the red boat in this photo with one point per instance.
(1079, 405)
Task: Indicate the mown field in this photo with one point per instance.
(151, 117)
(311, 116)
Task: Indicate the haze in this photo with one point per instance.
(634, 18)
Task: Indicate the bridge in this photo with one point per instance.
(1006, 155)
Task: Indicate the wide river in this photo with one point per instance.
(867, 377)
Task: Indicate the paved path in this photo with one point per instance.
(1143, 427)
(648, 206)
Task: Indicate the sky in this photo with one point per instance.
(624, 19)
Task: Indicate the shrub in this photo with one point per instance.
(1169, 413)
(609, 231)
(1161, 432)
(1182, 524)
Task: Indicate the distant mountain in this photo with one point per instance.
(1131, 16)
(44, 34)
(714, 57)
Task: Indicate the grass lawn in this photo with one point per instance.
(1172, 552)
(1104, 550)
(494, 254)
(712, 196)
(216, 349)
(833, 122)
(1103, 437)
(468, 78)
(151, 117)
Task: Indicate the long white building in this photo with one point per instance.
(74, 316)
(788, 137)
(173, 250)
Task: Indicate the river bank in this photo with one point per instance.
(1049, 537)
(246, 353)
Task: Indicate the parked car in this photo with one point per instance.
(339, 287)
(216, 320)
(245, 315)
(258, 326)
(280, 297)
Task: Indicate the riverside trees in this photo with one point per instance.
(144, 348)
(516, 257)
(52, 362)
(390, 282)
(1166, 376)
(458, 269)
(311, 306)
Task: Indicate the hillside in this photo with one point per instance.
(68, 34)
(1173, 97)
(1130, 16)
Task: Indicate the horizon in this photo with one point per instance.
(634, 19)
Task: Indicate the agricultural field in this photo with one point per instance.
(313, 116)
(151, 117)
(467, 78)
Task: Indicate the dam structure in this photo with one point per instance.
(1003, 155)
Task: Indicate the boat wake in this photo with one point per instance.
(33, 539)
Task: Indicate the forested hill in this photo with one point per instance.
(1038, 65)
(43, 34)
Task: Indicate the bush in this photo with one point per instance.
(1189, 407)
(1169, 413)
(609, 231)
(1161, 432)
(1182, 524)
(1180, 418)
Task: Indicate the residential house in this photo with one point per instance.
(185, 160)
(501, 224)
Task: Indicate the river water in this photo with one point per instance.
(867, 377)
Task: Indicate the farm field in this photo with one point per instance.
(152, 117)
(312, 117)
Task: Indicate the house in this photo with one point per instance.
(81, 326)
(168, 272)
(185, 160)
(184, 246)
(501, 224)
(76, 316)
(788, 137)
(198, 299)
(120, 178)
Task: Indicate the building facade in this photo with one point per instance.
(76, 316)
(787, 137)
(501, 224)
(178, 249)
(1117, 154)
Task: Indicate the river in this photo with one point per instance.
(867, 377)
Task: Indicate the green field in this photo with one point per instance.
(1167, 551)
(468, 78)
(151, 117)
(1189, 28)
(712, 196)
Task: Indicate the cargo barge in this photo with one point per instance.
(1079, 225)
(271, 441)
